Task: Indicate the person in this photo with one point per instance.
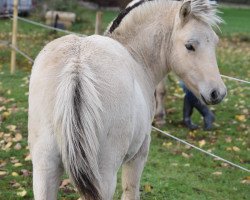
(190, 102)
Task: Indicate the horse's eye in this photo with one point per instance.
(189, 47)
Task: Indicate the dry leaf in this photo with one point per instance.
(167, 144)
(236, 148)
(17, 146)
(246, 180)
(202, 143)
(228, 139)
(8, 145)
(18, 137)
(14, 174)
(2, 108)
(3, 173)
(217, 173)
(22, 193)
(18, 164)
(185, 155)
(147, 188)
(11, 128)
(64, 183)
(5, 115)
(241, 118)
(25, 172)
(28, 157)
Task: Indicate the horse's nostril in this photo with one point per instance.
(214, 95)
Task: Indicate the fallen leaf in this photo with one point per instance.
(167, 144)
(11, 128)
(217, 173)
(15, 184)
(202, 143)
(14, 174)
(17, 146)
(18, 164)
(28, 157)
(236, 148)
(5, 115)
(8, 91)
(228, 139)
(3, 173)
(64, 183)
(22, 193)
(241, 118)
(2, 108)
(246, 180)
(185, 155)
(8, 145)
(18, 137)
(2, 163)
(229, 149)
(147, 188)
(25, 172)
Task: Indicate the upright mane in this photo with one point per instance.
(206, 12)
(202, 10)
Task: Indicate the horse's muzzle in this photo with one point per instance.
(215, 97)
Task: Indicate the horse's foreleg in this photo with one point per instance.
(47, 167)
(132, 170)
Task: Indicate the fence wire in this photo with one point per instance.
(199, 149)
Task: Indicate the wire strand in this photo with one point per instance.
(202, 150)
(49, 27)
(22, 53)
(235, 79)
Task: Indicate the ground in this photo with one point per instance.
(173, 170)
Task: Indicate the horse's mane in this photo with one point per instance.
(200, 9)
(206, 12)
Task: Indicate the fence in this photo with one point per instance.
(97, 31)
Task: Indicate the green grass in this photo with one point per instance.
(236, 21)
(173, 171)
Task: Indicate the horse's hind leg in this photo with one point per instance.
(47, 167)
(132, 170)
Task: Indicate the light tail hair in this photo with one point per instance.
(77, 123)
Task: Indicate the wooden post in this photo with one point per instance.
(98, 23)
(14, 36)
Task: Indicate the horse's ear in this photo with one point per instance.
(185, 11)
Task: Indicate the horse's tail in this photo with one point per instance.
(77, 123)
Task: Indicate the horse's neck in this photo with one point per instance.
(148, 41)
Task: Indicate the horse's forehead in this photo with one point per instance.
(198, 30)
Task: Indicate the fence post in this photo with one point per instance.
(98, 23)
(14, 36)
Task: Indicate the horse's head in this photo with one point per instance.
(194, 45)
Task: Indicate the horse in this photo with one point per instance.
(91, 99)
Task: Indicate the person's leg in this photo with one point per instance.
(187, 113)
(208, 116)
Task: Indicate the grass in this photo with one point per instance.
(173, 171)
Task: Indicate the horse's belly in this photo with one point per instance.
(142, 123)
